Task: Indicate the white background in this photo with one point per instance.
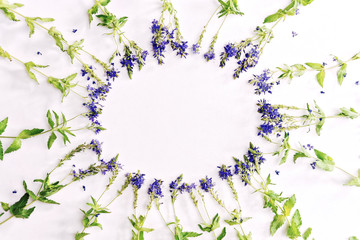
(187, 116)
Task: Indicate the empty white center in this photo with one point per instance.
(186, 114)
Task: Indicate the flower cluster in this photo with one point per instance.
(206, 184)
(261, 82)
(155, 189)
(96, 146)
(229, 51)
(110, 166)
(162, 36)
(225, 172)
(137, 180)
(251, 163)
(272, 119)
(176, 186)
(97, 92)
(250, 60)
(129, 60)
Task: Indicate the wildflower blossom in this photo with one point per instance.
(272, 119)
(229, 51)
(95, 146)
(155, 189)
(250, 59)
(195, 48)
(210, 55)
(206, 184)
(137, 180)
(224, 172)
(261, 82)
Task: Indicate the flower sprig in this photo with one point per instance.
(90, 218)
(47, 189)
(57, 124)
(318, 159)
(264, 84)
(177, 188)
(249, 170)
(275, 122)
(164, 34)
(225, 9)
(248, 51)
(132, 54)
(64, 85)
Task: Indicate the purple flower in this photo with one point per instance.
(195, 48)
(155, 189)
(229, 51)
(137, 180)
(250, 59)
(261, 82)
(206, 184)
(210, 55)
(96, 146)
(224, 172)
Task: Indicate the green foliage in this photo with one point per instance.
(137, 223)
(276, 16)
(29, 66)
(222, 234)
(5, 206)
(3, 125)
(353, 238)
(289, 204)
(24, 134)
(180, 235)
(57, 126)
(243, 237)
(18, 209)
(350, 113)
(277, 222)
(228, 8)
(80, 236)
(324, 162)
(64, 84)
(58, 37)
(293, 231)
(299, 155)
(4, 54)
(15, 145)
(215, 223)
(296, 70)
(307, 233)
(30, 22)
(74, 48)
(321, 122)
(341, 73)
(355, 181)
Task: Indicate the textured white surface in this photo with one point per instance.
(187, 116)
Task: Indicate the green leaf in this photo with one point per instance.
(93, 10)
(31, 193)
(4, 54)
(277, 222)
(293, 231)
(272, 18)
(3, 125)
(354, 182)
(57, 36)
(306, 2)
(1, 151)
(307, 233)
(29, 66)
(46, 200)
(222, 234)
(315, 66)
(324, 162)
(80, 236)
(51, 140)
(15, 145)
(49, 117)
(341, 73)
(350, 113)
(320, 77)
(283, 159)
(5, 206)
(353, 238)
(289, 204)
(191, 234)
(96, 224)
(104, 2)
(9, 14)
(299, 155)
(25, 134)
(17, 209)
